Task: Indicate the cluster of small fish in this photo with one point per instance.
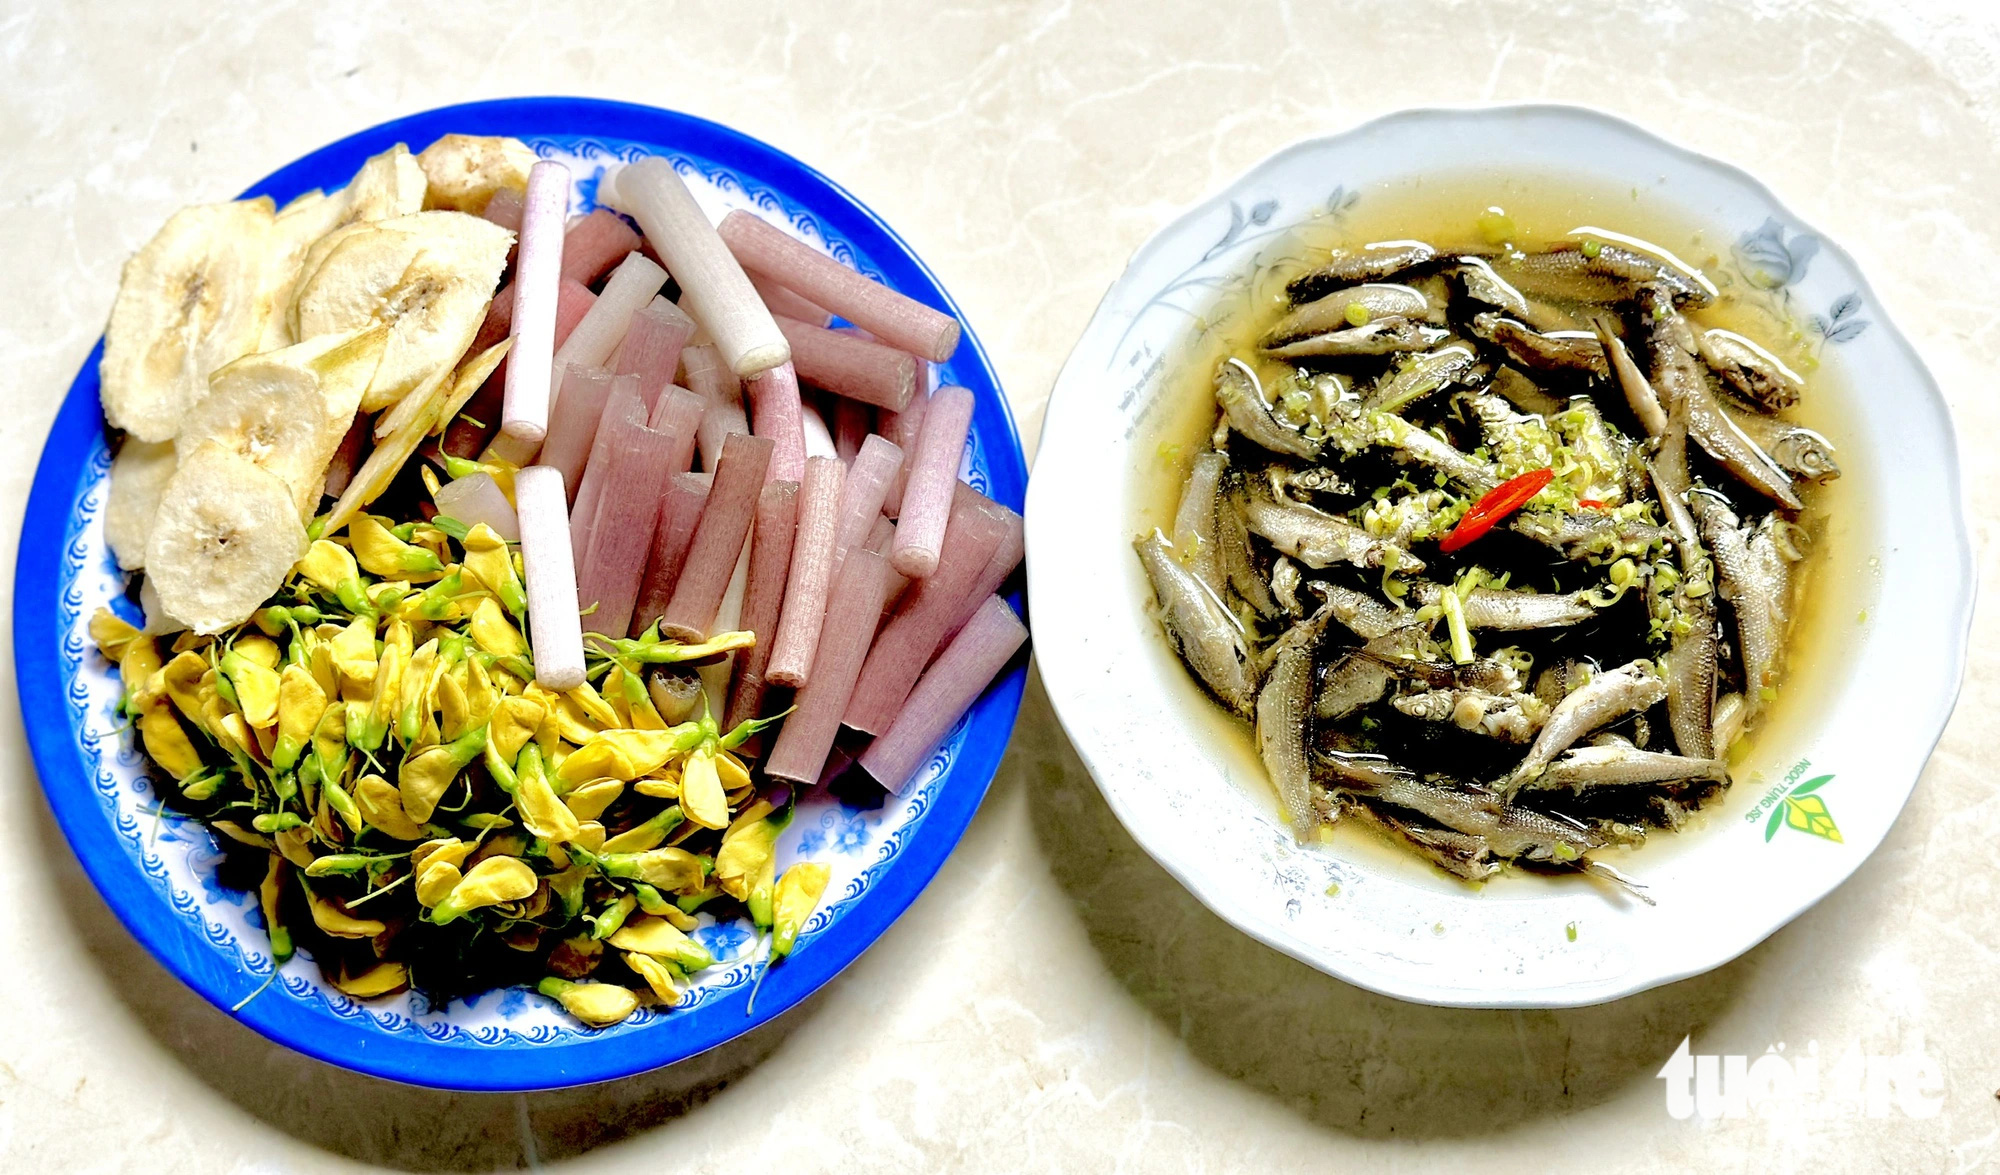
(1431, 454)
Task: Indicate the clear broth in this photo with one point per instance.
(1835, 584)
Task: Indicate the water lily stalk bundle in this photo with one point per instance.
(851, 366)
(680, 513)
(652, 346)
(927, 495)
(550, 579)
(713, 287)
(869, 475)
(853, 609)
(719, 538)
(594, 244)
(898, 321)
(812, 572)
(524, 417)
(764, 593)
(783, 301)
(573, 424)
(979, 651)
(775, 412)
(629, 288)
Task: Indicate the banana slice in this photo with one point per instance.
(429, 277)
(271, 415)
(226, 535)
(139, 475)
(191, 300)
(388, 185)
(300, 224)
(158, 623)
(287, 410)
(466, 170)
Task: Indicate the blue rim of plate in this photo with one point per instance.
(60, 479)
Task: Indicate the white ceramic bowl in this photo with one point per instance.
(1820, 788)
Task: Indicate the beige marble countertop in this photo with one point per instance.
(1054, 1001)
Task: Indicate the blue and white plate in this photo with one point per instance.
(159, 872)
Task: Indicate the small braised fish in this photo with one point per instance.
(1356, 306)
(1602, 700)
(1754, 373)
(1569, 350)
(1247, 412)
(1318, 539)
(1574, 272)
(1512, 611)
(1370, 263)
(1467, 857)
(1420, 376)
(1513, 718)
(1284, 712)
(1200, 626)
(1382, 336)
(1613, 764)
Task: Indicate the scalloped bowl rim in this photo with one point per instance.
(1074, 682)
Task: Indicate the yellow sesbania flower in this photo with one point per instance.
(435, 881)
(596, 709)
(338, 922)
(382, 554)
(492, 631)
(416, 721)
(330, 567)
(301, 705)
(111, 634)
(745, 855)
(382, 979)
(257, 649)
(424, 776)
(181, 679)
(490, 564)
(382, 808)
(648, 935)
(798, 894)
(660, 977)
(492, 881)
(514, 724)
(542, 813)
(454, 711)
(256, 688)
(353, 652)
(599, 1005)
(627, 754)
(166, 743)
(701, 789)
(139, 669)
(590, 798)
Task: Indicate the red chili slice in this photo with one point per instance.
(1494, 505)
(1590, 503)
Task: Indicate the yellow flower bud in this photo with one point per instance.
(300, 707)
(745, 853)
(599, 1005)
(328, 565)
(492, 631)
(492, 881)
(798, 894)
(658, 976)
(382, 807)
(166, 743)
(701, 790)
(627, 754)
(330, 917)
(382, 979)
(590, 798)
(435, 881)
(111, 634)
(514, 724)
